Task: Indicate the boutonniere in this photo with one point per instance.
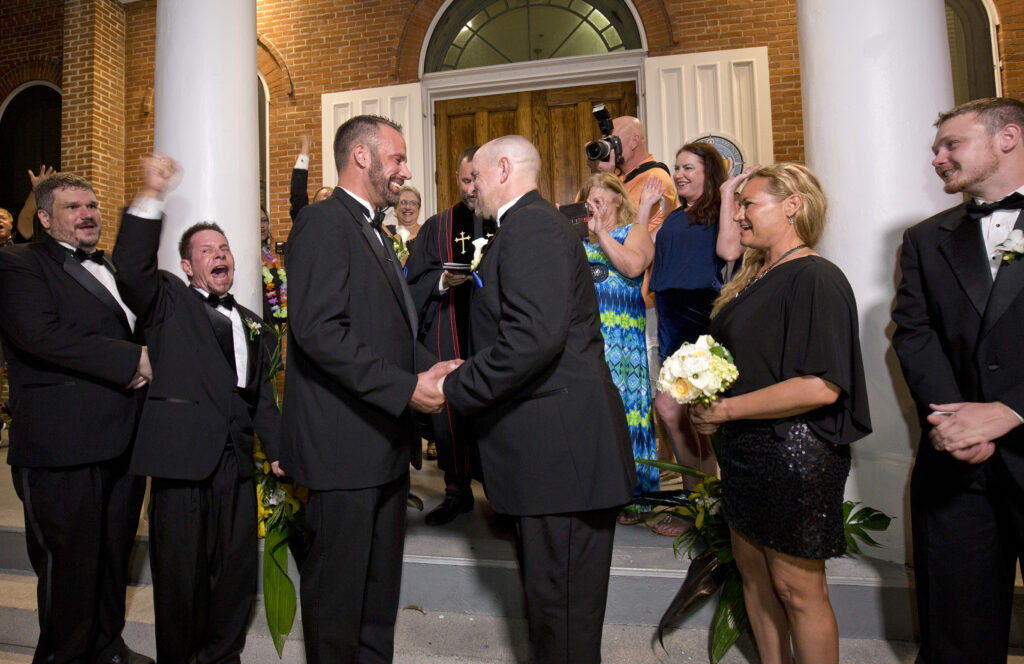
(478, 252)
(1013, 246)
(398, 244)
(255, 329)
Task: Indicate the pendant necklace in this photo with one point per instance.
(769, 268)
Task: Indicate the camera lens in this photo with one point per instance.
(598, 150)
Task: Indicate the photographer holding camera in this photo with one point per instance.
(622, 150)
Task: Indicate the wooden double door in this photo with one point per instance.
(558, 121)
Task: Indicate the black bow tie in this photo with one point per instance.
(1014, 201)
(81, 255)
(227, 300)
(377, 220)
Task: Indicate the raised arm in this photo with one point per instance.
(728, 247)
(138, 240)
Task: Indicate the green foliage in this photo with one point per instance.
(278, 589)
(857, 521)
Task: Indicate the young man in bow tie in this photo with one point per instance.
(74, 364)
(959, 324)
(211, 393)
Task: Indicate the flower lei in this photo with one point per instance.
(277, 297)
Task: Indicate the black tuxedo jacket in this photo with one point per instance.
(352, 356)
(959, 335)
(70, 352)
(550, 422)
(193, 406)
(298, 198)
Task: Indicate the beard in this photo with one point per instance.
(970, 179)
(381, 183)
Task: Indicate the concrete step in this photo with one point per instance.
(465, 574)
(420, 636)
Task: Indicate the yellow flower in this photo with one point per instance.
(266, 466)
(681, 390)
(261, 530)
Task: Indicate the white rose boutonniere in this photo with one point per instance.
(255, 329)
(1013, 246)
(478, 252)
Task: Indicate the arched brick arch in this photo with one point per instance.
(274, 69)
(653, 14)
(48, 70)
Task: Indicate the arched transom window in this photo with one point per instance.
(479, 33)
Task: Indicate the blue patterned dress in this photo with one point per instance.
(623, 318)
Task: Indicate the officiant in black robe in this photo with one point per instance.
(442, 300)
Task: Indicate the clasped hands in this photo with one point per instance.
(428, 397)
(966, 430)
(707, 419)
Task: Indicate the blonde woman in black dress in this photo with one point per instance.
(790, 319)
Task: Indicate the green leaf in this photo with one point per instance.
(699, 584)
(857, 521)
(675, 467)
(730, 617)
(278, 589)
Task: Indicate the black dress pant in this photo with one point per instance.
(966, 546)
(203, 552)
(353, 573)
(565, 560)
(80, 525)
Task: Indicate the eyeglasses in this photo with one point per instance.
(408, 203)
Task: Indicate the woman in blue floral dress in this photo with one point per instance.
(619, 251)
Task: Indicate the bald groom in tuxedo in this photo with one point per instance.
(554, 443)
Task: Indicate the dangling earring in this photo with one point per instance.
(790, 220)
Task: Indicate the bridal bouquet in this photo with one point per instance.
(698, 372)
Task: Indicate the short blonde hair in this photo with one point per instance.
(626, 213)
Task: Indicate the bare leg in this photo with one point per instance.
(801, 586)
(766, 612)
(687, 446)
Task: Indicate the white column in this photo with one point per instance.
(206, 118)
(875, 74)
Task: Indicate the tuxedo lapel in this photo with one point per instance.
(385, 255)
(85, 279)
(1008, 285)
(961, 245)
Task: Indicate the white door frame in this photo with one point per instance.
(519, 77)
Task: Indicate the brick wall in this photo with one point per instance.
(92, 114)
(30, 42)
(1011, 46)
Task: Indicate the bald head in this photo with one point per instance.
(634, 141)
(503, 170)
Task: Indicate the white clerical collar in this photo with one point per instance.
(504, 208)
(363, 202)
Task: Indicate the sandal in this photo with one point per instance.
(670, 525)
(629, 517)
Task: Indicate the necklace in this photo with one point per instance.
(769, 268)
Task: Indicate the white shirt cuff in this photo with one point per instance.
(146, 208)
(441, 288)
(302, 162)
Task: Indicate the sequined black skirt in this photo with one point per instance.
(785, 493)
